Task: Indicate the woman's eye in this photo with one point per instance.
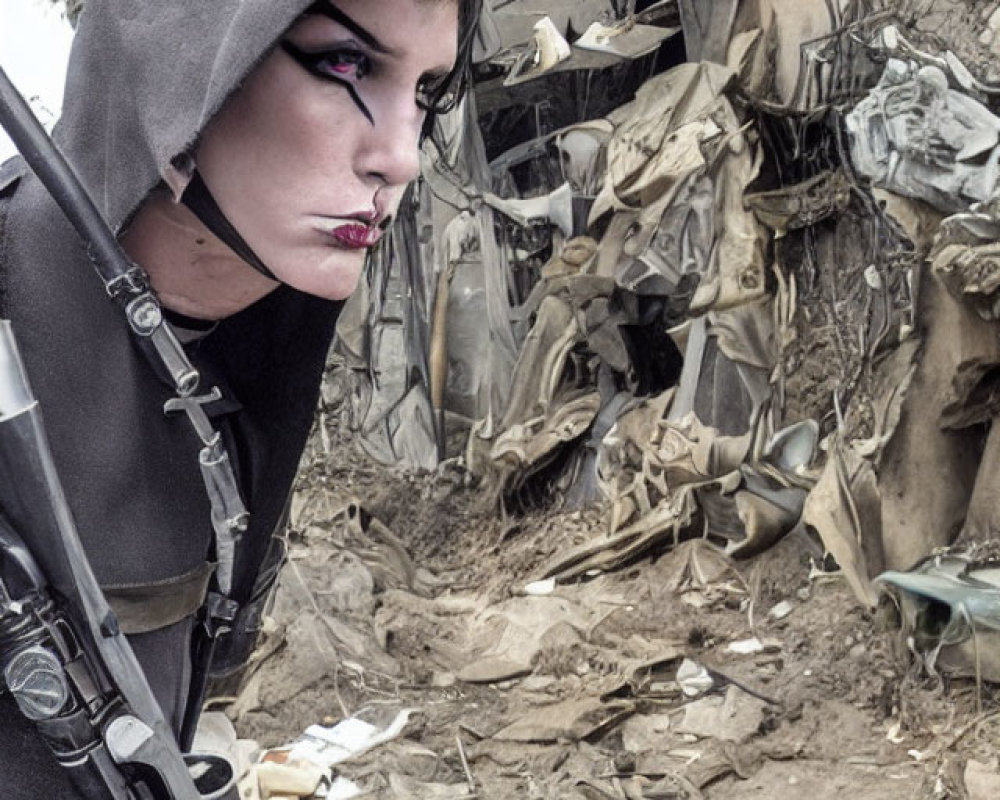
(343, 64)
(338, 65)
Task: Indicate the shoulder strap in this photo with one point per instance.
(128, 285)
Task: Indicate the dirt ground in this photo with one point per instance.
(407, 592)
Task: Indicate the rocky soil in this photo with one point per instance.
(685, 675)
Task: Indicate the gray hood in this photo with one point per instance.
(144, 79)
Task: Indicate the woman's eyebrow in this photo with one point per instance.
(330, 11)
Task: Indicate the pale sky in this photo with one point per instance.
(34, 47)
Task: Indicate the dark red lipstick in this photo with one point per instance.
(356, 236)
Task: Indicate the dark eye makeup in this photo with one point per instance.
(338, 65)
(345, 65)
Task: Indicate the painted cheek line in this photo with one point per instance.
(354, 96)
(326, 76)
(360, 104)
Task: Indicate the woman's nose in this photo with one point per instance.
(392, 150)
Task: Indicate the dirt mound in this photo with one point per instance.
(685, 675)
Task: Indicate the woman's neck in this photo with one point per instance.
(192, 271)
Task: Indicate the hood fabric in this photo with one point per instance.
(146, 77)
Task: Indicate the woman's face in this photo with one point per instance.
(314, 151)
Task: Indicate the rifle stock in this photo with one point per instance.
(128, 725)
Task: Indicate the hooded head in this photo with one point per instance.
(301, 118)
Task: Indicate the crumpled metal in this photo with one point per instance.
(551, 371)
(673, 197)
(442, 250)
(916, 136)
(951, 607)
(966, 258)
(804, 204)
(828, 374)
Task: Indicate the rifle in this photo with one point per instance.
(69, 667)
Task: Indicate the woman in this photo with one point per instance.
(248, 154)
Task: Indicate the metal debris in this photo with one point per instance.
(965, 638)
(695, 286)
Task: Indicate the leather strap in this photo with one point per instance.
(199, 199)
(144, 607)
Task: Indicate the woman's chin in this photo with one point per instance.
(334, 278)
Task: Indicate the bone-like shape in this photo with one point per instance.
(556, 207)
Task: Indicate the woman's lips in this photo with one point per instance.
(356, 236)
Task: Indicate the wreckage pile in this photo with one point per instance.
(712, 278)
(758, 296)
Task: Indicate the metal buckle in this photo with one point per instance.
(131, 283)
(194, 408)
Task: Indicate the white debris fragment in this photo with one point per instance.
(695, 599)
(626, 39)
(541, 588)
(552, 47)
(549, 48)
(293, 779)
(351, 737)
(343, 789)
(688, 754)
(749, 647)
(746, 647)
(693, 678)
(781, 610)
(872, 278)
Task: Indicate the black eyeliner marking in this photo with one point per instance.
(329, 11)
(358, 102)
(310, 61)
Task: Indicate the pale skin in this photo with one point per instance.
(294, 157)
